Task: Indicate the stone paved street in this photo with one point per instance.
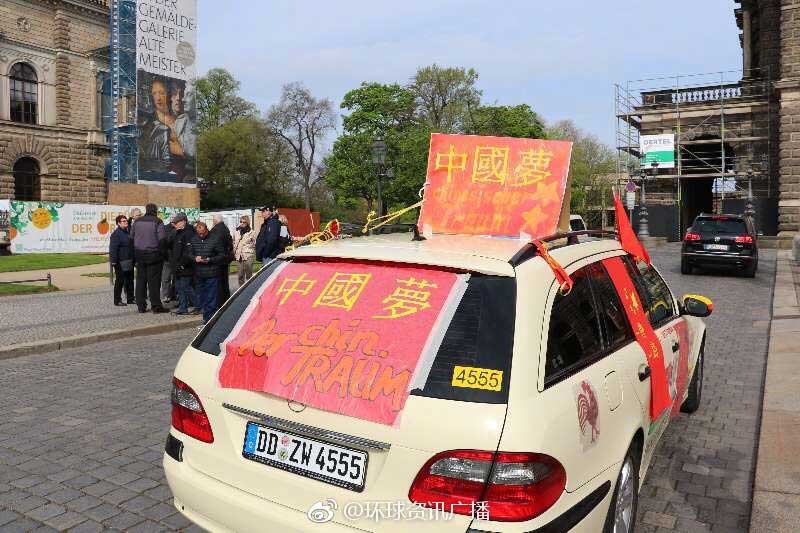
(82, 435)
(82, 430)
(702, 475)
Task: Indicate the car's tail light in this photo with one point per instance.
(744, 239)
(188, 415)
(691, 236)
(521, 486)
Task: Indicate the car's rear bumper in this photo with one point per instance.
(704, 258)
(217, 506)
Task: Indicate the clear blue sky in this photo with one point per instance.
(561, 57)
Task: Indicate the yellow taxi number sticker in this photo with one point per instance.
(477, 378)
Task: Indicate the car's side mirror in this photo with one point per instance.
(696, 305)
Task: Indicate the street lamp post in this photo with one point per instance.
(379, 150)
(644, 229)
(749, 209)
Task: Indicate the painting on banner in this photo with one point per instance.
(325, 335)
(166, 41)
(499, 186)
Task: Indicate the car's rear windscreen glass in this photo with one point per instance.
(730, 226)
(473, 362)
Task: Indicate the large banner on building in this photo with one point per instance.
(166, 40)
(40, 227)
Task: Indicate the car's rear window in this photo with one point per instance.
(719, 225)
(479, 339)
(473, 362)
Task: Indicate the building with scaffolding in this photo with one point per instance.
(736, 133)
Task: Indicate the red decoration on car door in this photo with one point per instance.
(659, 389)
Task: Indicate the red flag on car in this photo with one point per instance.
(630, 243)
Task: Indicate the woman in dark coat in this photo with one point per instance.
(121, 257)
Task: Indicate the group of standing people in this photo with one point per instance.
(185, 262)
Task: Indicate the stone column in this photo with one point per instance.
(747, 40)
(61, 41)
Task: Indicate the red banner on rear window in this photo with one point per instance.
(659, 389)
(343, 337)
(499, 186)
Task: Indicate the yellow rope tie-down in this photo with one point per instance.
(386, 219)
(317, 237)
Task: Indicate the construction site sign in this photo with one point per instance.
(658, 149)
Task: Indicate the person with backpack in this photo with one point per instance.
(147, 235)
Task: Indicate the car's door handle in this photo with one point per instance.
(676, 347)
(644, 372)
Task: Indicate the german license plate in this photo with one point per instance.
(337, 465)
(722, 247)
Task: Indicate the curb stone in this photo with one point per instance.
(39, 347)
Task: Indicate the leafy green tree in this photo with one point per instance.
(245, 165)
(377, 110)
(444, 96)
(218, 100)
(506, 121)
(591, 164)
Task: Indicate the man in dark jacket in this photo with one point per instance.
(167, 273)
(182, 263)
(121, 256)
(147, 234)
(267, 243)
(221, 232)
(209, 255)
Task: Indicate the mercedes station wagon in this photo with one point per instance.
(532, 414)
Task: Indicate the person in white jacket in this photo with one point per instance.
(244, 249)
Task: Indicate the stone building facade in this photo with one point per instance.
(734, 132)
(53, 54)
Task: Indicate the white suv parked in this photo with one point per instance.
(557, 436)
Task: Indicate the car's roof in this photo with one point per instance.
(487, 255)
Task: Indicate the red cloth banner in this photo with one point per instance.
(499, 186)
(627, 238)
(659, 388)
(343, 337)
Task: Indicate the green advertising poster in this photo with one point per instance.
(659, 149)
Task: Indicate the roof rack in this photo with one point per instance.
(529, 250)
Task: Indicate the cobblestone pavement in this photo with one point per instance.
(702, 474)
(82, 430)
(82, 435)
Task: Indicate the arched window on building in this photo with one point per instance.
(24, 93)
(27, 185)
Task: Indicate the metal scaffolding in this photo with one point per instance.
(723, 124)
(119, 118)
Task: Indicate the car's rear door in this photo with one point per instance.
(670, 328)
(439, 415)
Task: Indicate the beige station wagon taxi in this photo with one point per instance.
(534, 415)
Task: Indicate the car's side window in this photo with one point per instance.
(574, 337)
(653, 292)
(614, 320)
